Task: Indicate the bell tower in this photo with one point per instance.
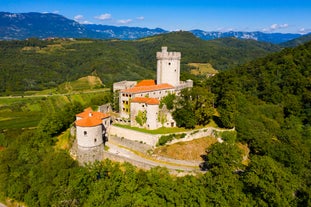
(168, 67)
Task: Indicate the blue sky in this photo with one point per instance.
(210, 15)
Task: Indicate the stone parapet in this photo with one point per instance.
(133, 135)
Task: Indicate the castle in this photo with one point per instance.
(142, 100)
(139, 103)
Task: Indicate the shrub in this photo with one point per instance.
(165, 138)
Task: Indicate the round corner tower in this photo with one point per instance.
(168, 67)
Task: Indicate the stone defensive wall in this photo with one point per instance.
(133, 135)
(152, 140)
(199, 133)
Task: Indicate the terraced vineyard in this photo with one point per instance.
(18, 112)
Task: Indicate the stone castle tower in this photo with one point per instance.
(168, 67)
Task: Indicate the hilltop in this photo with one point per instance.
(266, 100)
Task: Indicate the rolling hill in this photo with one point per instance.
(39, 64)
(297, 41)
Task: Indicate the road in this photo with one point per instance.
(56, 94)
(117, 148)
(2, 205)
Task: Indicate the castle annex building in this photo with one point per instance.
(139, 102)
(91, 128)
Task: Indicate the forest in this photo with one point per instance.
(266, 100)
(40, 64)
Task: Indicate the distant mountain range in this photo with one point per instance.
(45, 25)
(275, 38)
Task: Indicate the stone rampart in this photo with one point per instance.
(133, 135)
(199, 133)
(152, 140)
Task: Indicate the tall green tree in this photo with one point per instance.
(194, 107)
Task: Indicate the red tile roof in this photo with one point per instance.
(151, 101)
(90, 118)
(88, 112)
(141, 89)
(89, 122)
(145, 83)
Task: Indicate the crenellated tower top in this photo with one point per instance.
(168, 55)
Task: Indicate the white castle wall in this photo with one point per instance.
(123, 85)
(134, 135)
(135, 108)
(152, 139)
(89, 136)
(152, 116)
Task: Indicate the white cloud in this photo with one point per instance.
(140, 18)
(283, 25)
(55, 12)
(274, 27)
(124, 21)
(103, 17)
(86, 22)
(304, 30)
(78, 17)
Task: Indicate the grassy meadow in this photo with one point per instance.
(202, 69)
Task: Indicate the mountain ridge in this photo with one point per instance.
(19, 26)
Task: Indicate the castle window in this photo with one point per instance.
(169, 63)
(95, 140)
(85, 133)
